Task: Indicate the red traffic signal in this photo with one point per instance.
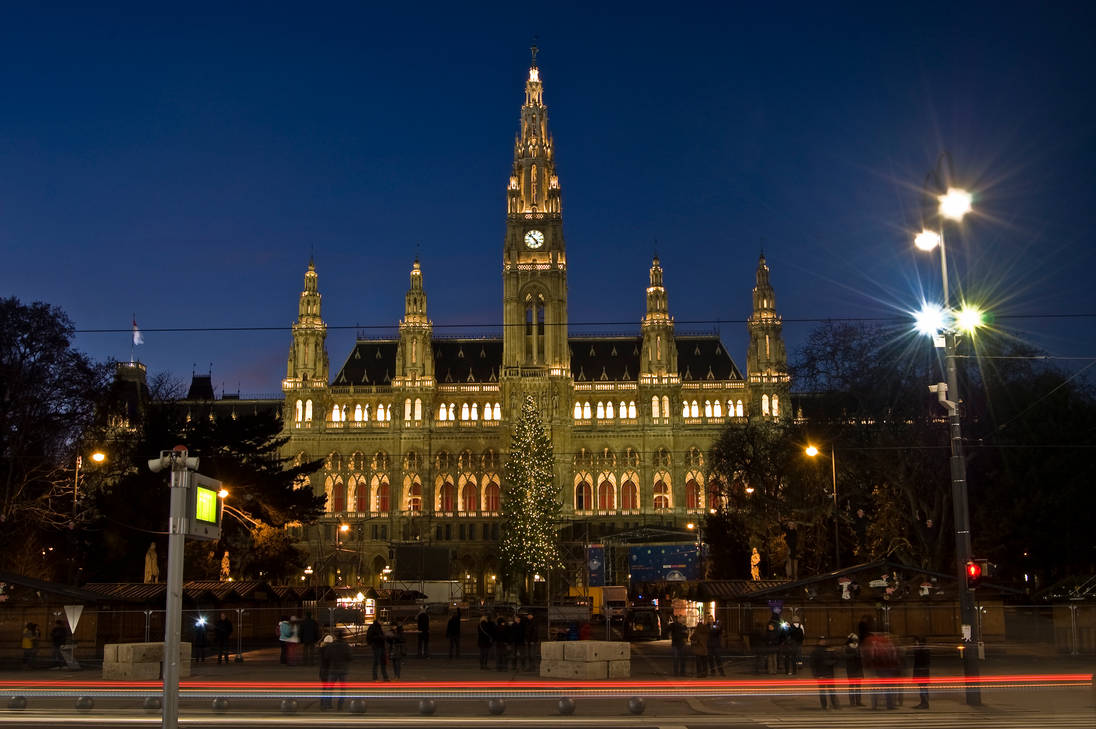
(974, 574)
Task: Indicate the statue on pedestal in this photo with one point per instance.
(755, 566)
(225, 575)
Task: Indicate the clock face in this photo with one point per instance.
(534, 239)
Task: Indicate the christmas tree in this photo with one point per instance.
(530, 500)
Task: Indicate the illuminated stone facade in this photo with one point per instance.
(414, 430)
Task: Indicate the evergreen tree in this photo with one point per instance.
(530, 499)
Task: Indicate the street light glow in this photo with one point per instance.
(222, 494)
(690, 525)
(969, 318)
(98, 456)
(930, 319)
(926, 240)
(344, 528)
(955, 204)
(811, 451)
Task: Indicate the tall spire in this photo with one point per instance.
(766, 358)
(533, 186)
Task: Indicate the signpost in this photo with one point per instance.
(195, 513)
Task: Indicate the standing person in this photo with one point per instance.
(308, 632)
(452, 632)
(200, 639)
(773, 634)
(374, 638)
(423, 623)
(678, 636)
(794, 646)
(485, 636)
(822, 663)
(339, 657)
(502, 644)
(532, 641)
(325, 672)
(715, 648)
(921, 660)
(854, 668)
(517, 643)
(397, 649)
(285, 632)
(881, 658)
(58, 637)
(29, 644)
(222, 629)
(699, 643)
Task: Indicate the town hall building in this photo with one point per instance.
(414, 430)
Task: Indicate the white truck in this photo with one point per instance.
(615, 602)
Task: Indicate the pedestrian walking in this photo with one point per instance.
(58, 637)
(452, 633)
(678, 637)
(375, 639)
(337, 655)
(793, 646)
(422, 620)
(485, 636)
(29, 644)
(715, 648)
(308, 632)
(822, 662)
(922, 657)
(222, 629)
(698, 641)
(854, 668)
(397, 649)
(774, 632)
(285, 632)
(881, 659)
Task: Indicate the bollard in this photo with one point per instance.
(427, 707)
(85, 703)
(151, 703)
(289, 706)
(636, 705)
(566, 706)
(17, 702)
(357, 706)
(496, 706)
(220, 704)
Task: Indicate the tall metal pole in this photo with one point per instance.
(968, 619)
(836, 544)
(180, 478)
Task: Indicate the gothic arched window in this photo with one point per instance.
(582, 496)
(629, 495)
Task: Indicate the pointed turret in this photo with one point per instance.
(308, 366)
(415, 359)
(766, 358)
(659, 357)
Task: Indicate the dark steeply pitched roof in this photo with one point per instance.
(467, 360)
(371, 363)
(201, 388)
(593, 359)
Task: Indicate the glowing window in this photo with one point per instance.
(764, 404)
(308, 410)
(632, 409)
(418, 408)
(498, 411)
(665, 406)
(578, 410)
(600, 410)
(661, 495)
(491, 497)
(684, 409)
(629, 496)
(475, 411)
(606, 496)
(707, 408)
(464, 411)
(654, 407)
(452, 411)
(407, 409)
(695, 409)
(446, 497)
(582, 496)
(469, 498)
(738, 409)
(299, 411)
(776, 406)
(609, 410)
(586, 411)
(717, 409)
(358, 413)
(692, 494)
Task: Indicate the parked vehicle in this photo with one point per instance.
(642, 622)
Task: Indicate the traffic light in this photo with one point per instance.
(974, 574)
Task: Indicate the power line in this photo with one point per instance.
(502, 325)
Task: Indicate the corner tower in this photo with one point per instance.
(659, 356)
(766, 360)
(415, 359)
(534, 255)
(308, 366)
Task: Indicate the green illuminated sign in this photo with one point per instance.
(205, 505)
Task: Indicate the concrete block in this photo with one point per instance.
(146, 671)
(552, 650)
(140, 652)
(110, 653)
(591, 670)
(620, 669)
(596, 650)
(559, 669)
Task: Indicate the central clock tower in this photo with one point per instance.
(534, 271)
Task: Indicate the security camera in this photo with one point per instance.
(178, 454)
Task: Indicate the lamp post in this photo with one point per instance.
(812, 451)
(954, 204)
(97, 457)
(343, 529)
(691, 526)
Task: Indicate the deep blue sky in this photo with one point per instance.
(181, 164)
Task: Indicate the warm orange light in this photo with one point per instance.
(811, 451)
(222, 494)
(690, 525)
(344, 528)
(98, 456)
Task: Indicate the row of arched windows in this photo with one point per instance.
(605, 410)
(373, 495)
(469, 411)
(770, 405)
(608, 496)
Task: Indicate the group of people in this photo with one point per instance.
(222, 629)
(873, 653)
(59, 635)
(513, 640)
(781, 648)
(298, 638)
(704, 641)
